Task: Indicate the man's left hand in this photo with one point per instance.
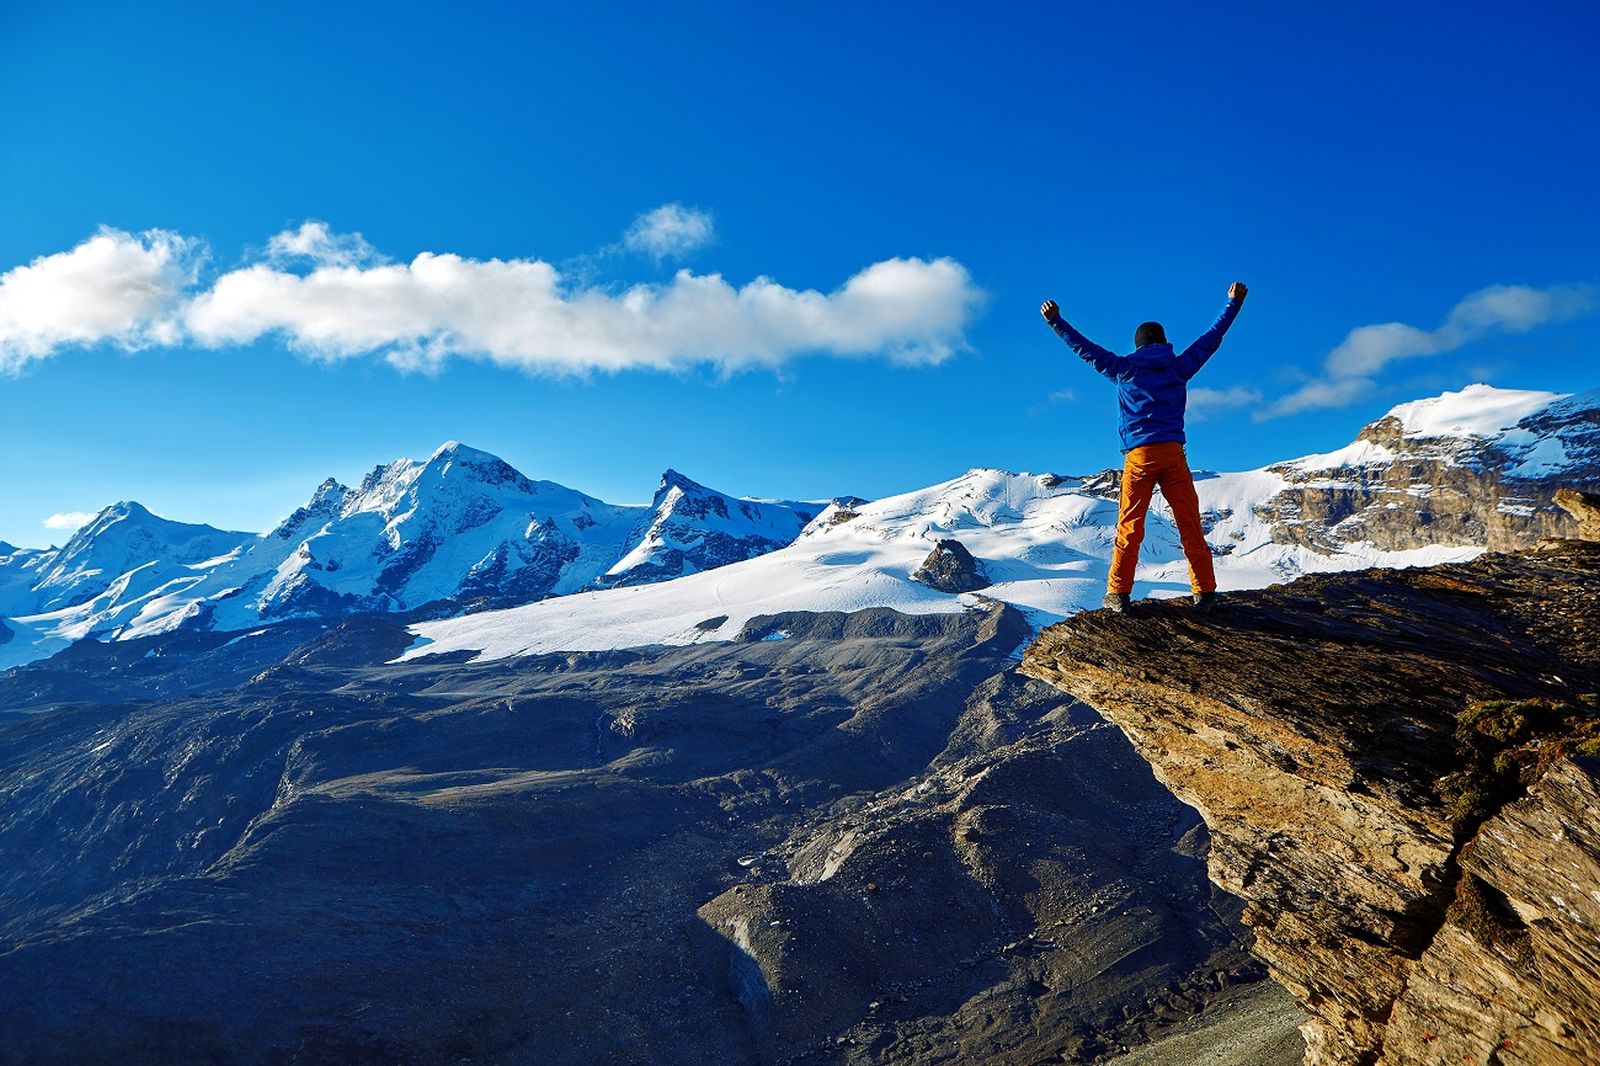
(1049, 310)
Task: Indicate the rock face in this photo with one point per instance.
(1585, 507)
(950, 567)
(1421, 868)
(1462, 468)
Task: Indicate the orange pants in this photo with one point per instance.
(1143, 470)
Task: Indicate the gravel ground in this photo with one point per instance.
(1257, 1025)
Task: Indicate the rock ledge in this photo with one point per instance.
(1421, 868)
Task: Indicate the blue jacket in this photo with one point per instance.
(1152, 383)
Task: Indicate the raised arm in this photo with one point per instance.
(1194, 357)
(1106, 362)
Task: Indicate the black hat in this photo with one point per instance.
(1149, 333)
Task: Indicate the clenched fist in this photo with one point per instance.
(1237, 290)
(1049, 310)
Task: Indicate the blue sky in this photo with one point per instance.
(1356, 165)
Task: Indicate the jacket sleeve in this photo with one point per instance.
(1103, 360)
(1194, 357)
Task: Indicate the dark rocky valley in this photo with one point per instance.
(869, 841)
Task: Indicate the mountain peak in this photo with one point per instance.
(672, 479)
(125, 509)
(455, 450)
(1477, 410)
(329, 487)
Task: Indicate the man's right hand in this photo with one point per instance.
(1237, 290)
(1049, 310)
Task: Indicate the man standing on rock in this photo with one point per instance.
(1152, 392)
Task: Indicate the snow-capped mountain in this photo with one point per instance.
(1471, 467)
(457, 531)
(1456, 471)
(693, 528)
(127, 546)
(460, 528)
(462, 531)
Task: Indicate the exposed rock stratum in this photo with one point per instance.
(1397, 769)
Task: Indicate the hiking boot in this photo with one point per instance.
(1115, 601)
(1205, 602)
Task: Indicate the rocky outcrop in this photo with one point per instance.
(950, 567)
(1398, 488)
(1583, 506)
(1396, 770)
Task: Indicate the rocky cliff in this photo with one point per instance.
(1477, 467)
(1398, 772)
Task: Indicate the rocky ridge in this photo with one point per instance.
(1396, 771)
(1420, 476)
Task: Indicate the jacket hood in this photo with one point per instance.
(1153, 353)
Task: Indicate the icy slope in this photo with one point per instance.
(1045, 542)
(1434, 480)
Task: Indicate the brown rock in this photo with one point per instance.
(1312, 725)
(1583, 506)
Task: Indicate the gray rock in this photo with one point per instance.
(950, 567)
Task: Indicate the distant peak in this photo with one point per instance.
(454, 449)
(1478, 410)
(122, 510)
(674, 480)
(330, 491)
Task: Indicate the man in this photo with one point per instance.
(1152, 391)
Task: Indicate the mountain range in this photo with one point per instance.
(481, 557)
(461, 530)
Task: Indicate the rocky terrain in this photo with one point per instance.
(700, 795)
(1399, 771)
(1482, 469)
(837, 838)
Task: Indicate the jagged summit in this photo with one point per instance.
(693, 528)
(672, 479)
(460, 529)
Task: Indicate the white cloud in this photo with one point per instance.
(1366, 350)
(72, 520)
(1204, 402)
(671, 231)
(315, 243)
(520, 313)
(114, 287)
